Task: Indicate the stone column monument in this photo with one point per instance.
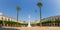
(29, 25)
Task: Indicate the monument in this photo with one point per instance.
(29, 25)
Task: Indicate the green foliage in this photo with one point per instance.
(49, 22)
(0, 21)
(33, 24)
(12, 23)
(39, 4)
(57, 21)
(38, 24)
(18, 8)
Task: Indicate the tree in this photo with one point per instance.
(40, 5)
(17, 8)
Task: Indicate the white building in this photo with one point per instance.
(6, 18)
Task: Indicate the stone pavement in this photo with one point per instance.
(8, 29)
(39, 28)
(33, 28)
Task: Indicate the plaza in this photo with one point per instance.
(29, 14)
(47, 26)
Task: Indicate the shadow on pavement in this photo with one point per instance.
(8, 28)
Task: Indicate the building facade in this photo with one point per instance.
(6, 18)
(52, 21)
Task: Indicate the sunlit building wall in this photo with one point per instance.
(6, 18)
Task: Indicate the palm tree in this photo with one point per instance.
(40, 5)
(2, 21)
(17, 8)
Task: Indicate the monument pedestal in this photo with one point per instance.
(29, 24)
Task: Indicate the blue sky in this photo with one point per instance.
(49, 8)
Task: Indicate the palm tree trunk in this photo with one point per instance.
(3, 21)
(40, 17)
(17, 17)
(54, 22)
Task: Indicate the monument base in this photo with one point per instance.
(29, 25)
